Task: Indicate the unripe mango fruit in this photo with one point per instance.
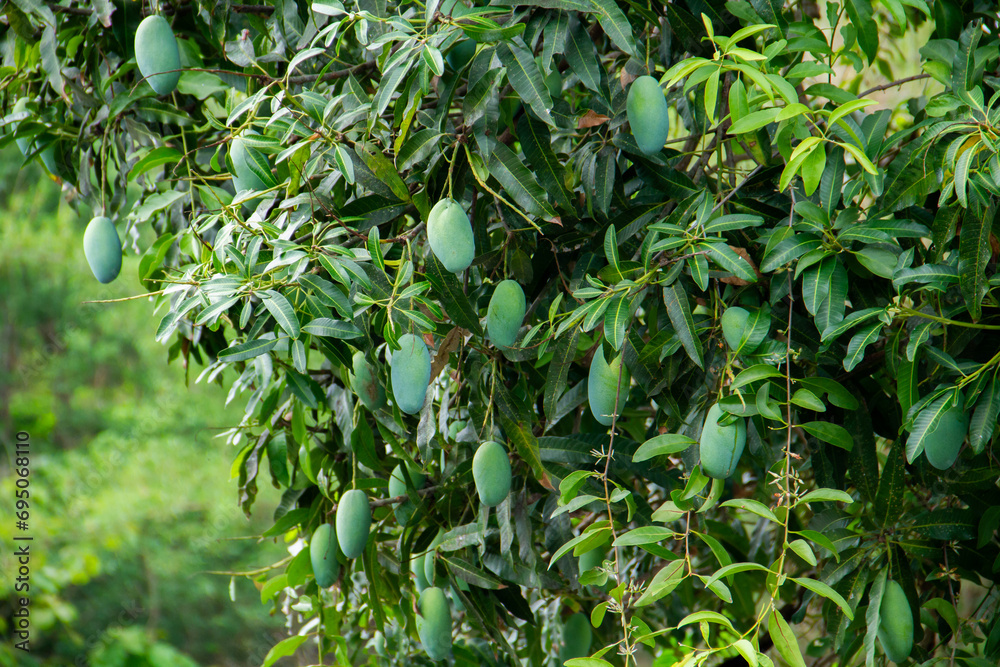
(103, 249)
(895, 631)
(449, 233)
(354, 520)
(577, 636)
(602, 387)
(417, 567)
(942, 444)
(734, 321)
(434, 623)
(721, 446)
(397, 487)
(505, 313)
(410, 369)
(157, 55)
(323, 555)
(648, 117)
(430, 561)
(491, 473)
(365, 384)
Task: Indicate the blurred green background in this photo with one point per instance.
(131, 501)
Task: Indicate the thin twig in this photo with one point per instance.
(886, 86)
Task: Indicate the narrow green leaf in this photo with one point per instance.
(526, 79)
(679, 312)
(784, 639)
(832, 433)
(820, 588)
(325, 327)
(859, 342)
(282, 311)
(667, 443)
(984, 419)
(286, 647)
(248, 350)
(974, 255)
(563, 353)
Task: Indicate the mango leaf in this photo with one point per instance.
(925, 423)
(526, 79)
(563, 353)
(679, 312)
(984, 419)
(973, 255)
(248, 350)
(667, 443)
(326, 327)
(536, 145)
(282, 311)
(872, 617)
(820, 588)
(831, 433)
(519, 182)
(784, 639)
(859, 342)
(616, 25)
(284, 648)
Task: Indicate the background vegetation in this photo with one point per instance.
(131, 500)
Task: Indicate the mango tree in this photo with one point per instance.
(570, 330)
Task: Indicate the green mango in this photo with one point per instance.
(354, 520)
(577, 636)
(157, 55)
(434, 623)
(430, 562)
(365, 384)
(410, 369)
(505, 313)
(323, 555)
(895, 631)
(944, 442)
(103, 249)
(602, 387)
(646, 108)
(419, 570)
(734, 321)
(397, 487)
(721, 446)
(491, 473)
(449, 233)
